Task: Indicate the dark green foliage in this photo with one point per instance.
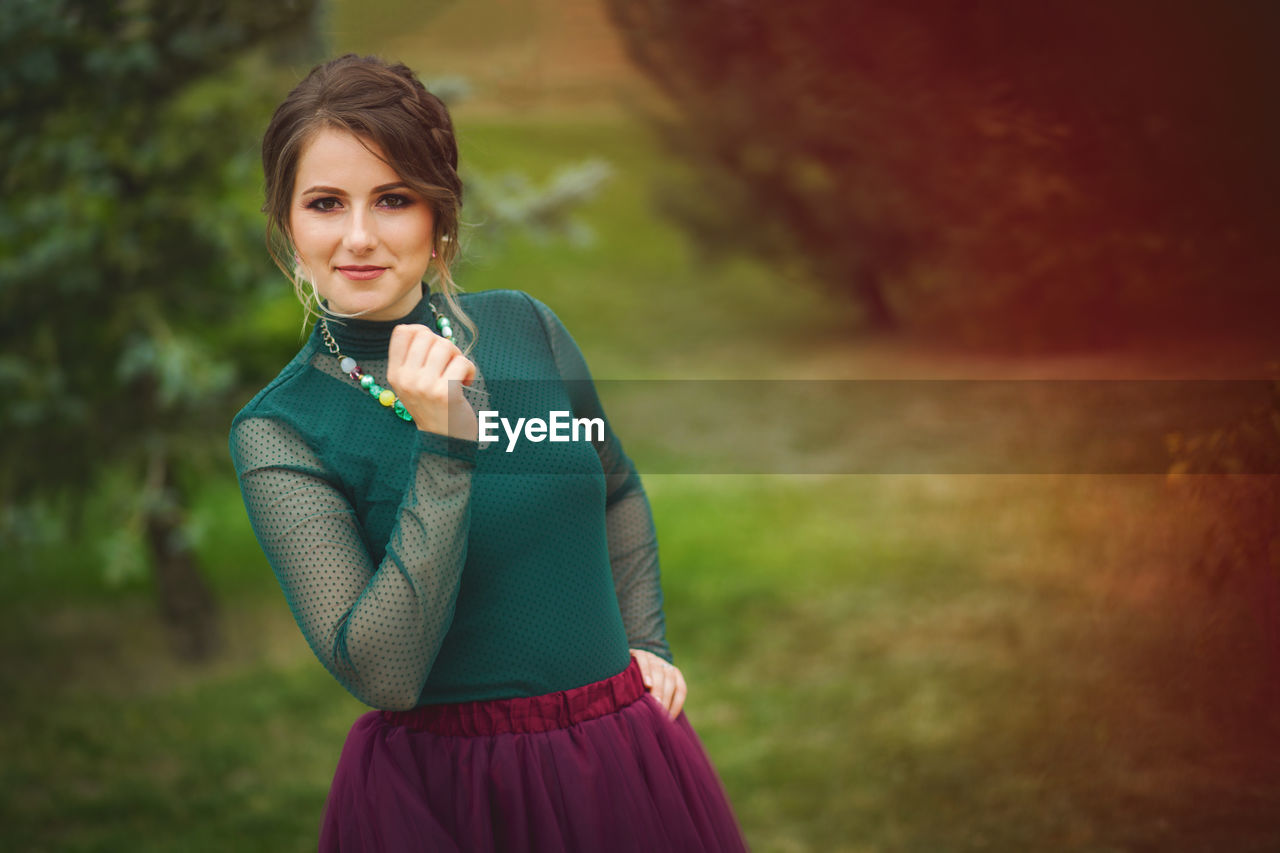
(1024, 173)
(125, 231)
(128, 247)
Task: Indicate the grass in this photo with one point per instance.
(878, 663)
(956, 672)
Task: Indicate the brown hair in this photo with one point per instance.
(380, 103)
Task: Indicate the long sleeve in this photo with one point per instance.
(376, 628)
(633, 542)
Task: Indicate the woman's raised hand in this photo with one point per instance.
(422, 368)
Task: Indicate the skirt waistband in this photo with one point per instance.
(526, 713)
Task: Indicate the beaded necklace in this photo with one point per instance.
(348, 365)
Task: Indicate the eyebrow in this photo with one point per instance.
(399, 185)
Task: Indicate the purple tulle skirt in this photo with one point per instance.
(597, 768)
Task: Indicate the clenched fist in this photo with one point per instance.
(427, 373)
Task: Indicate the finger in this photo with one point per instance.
(419, 348)
(400, 352)
(400, 339)
(460, 369)
(681, 693)
(646, 667)
(442, 352)
(664, 686)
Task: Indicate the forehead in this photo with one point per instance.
(337, 158)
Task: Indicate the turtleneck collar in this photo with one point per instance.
(369, 338)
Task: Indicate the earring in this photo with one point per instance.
(433, 254)
(297, 259)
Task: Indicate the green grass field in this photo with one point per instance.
(877, 663)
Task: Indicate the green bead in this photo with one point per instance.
(441, 322)
(375, 389)
(366, 381)
(402, 411)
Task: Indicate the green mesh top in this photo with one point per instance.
(424, 568)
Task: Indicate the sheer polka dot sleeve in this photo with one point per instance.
(376, 628)
(633, 542)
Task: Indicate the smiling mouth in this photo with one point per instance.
(361, 272)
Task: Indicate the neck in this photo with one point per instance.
(360, 338)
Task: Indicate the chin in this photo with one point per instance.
(372, 307)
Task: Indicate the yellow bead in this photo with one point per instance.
(387, 397)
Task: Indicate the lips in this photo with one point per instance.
(361, 272)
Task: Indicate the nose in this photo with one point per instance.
(361, 235)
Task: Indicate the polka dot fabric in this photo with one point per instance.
(424, 569)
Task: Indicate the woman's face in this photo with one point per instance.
(361, 233)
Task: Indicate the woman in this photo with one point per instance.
(497, 602)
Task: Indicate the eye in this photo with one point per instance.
(323, 204)
(394, 201)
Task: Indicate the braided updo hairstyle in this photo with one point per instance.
(380, 103)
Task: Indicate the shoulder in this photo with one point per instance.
(264, 401)
(514, 309)
(499, 299)
(278, 426)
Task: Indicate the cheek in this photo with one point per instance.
(412, 234)
(310, 236)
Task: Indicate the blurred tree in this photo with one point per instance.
(1234, 471)
(1232, 475)
(1001, 172)
(124, 237)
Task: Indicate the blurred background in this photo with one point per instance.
(723, 191)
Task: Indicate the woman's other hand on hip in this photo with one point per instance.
(663, 680)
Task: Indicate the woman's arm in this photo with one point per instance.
(376, 628)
